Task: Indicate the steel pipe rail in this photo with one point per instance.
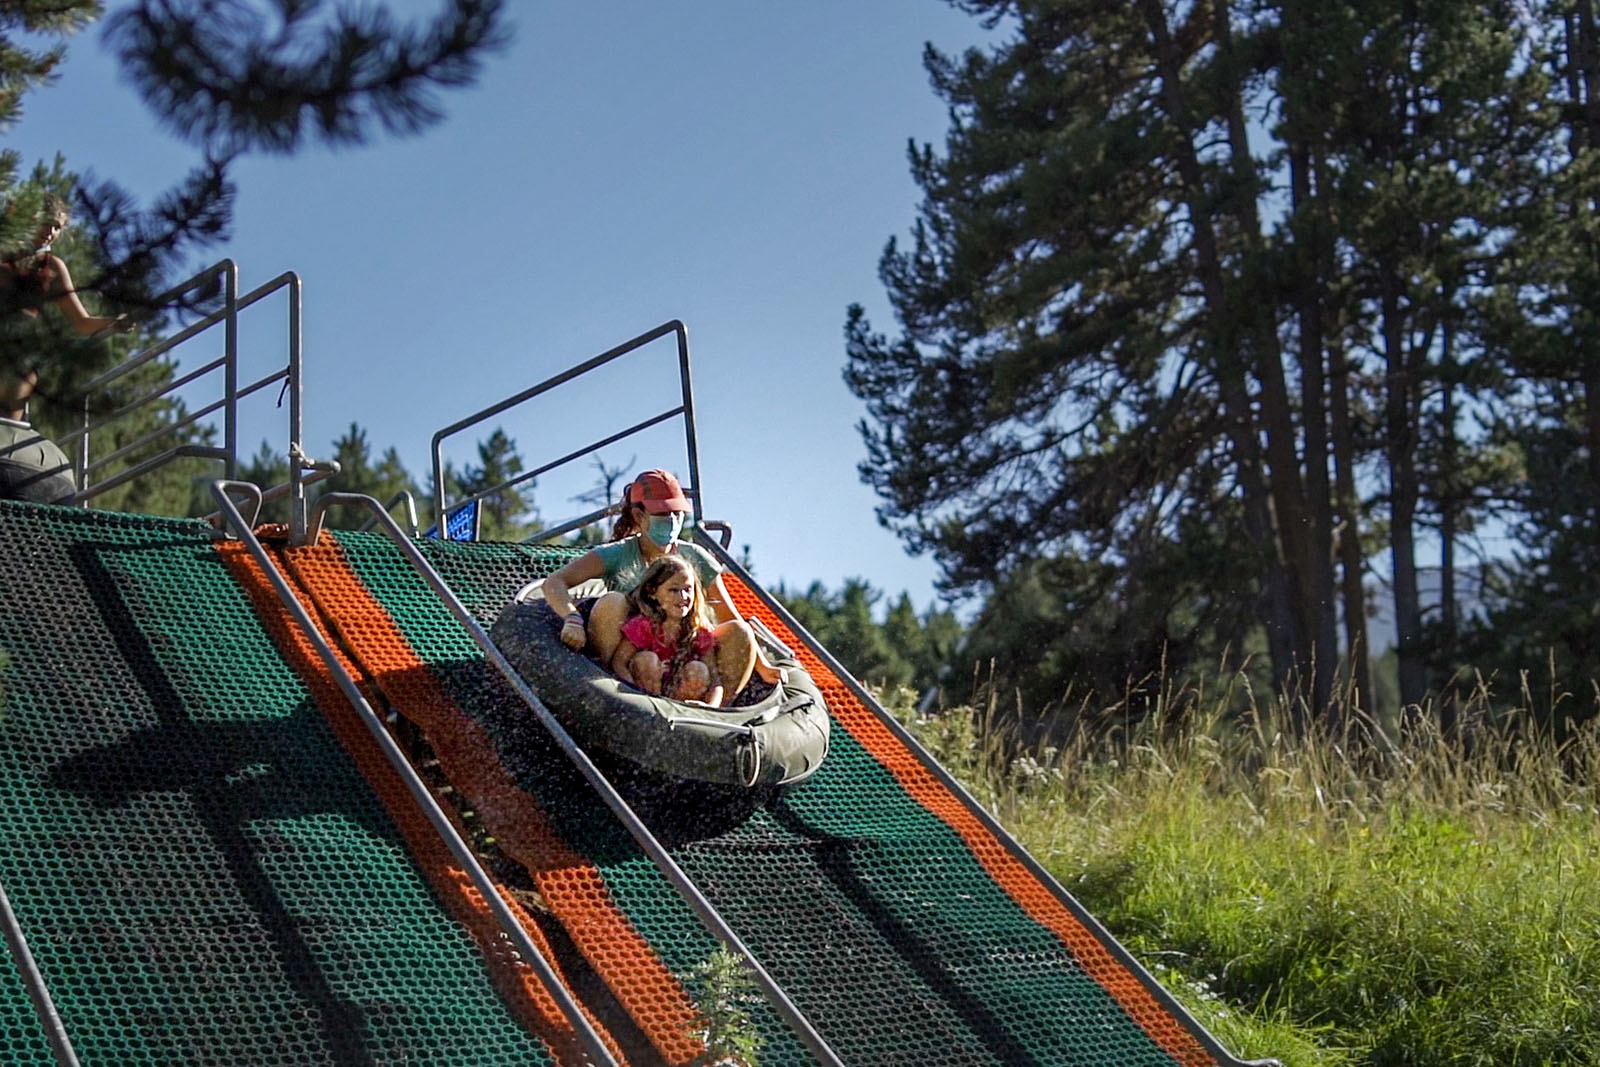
(221, 490)
(686, 409)
(227, 270)
(577, 453)
(703, 908)
(54, 1031)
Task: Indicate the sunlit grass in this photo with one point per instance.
(1327, 900)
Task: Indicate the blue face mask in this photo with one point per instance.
(663, 529)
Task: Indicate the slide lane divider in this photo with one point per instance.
(571, 886)
(511, 927)
(529, 993)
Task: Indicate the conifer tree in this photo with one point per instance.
(1170, 260)
(508, 514)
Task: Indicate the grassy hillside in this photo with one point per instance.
(1327, 902)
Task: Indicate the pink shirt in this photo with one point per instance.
(646, 637)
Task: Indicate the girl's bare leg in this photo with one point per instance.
(605, 625)
(736, 655)
(694, 678)
(646, 670)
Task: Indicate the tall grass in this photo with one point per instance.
(1345, 899)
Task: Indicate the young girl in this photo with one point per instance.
(667, 646)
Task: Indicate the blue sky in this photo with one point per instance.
(736, 165)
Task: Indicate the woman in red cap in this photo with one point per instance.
(653, 512)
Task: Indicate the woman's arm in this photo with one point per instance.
(557, 591)
(66, 298)
(557, 588)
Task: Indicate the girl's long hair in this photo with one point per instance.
(642, 600)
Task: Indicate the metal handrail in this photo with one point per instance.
(418, 789)
(686, 409)
(977, 810)
(269, 493)
(228, 452)
(704, 910)
(402, 497)
(54, 1031)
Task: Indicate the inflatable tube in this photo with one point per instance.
(779, 740)
(32, 467)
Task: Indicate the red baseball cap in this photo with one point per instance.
(659, 492)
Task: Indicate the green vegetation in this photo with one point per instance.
(1331, 901)
(723, 993)
(1210, 310)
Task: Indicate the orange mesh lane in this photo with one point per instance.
(1008, 872)
(571, 886)
(516, 982)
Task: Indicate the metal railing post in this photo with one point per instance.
(297, 488)
(415, 786)
(689, 432)
(674, 327)
(703, 908)
(38, 992)
(230, 372)
(81, 455)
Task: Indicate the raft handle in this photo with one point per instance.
(748, 727)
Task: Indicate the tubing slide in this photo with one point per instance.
(208, 860)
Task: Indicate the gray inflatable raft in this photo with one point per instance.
(779, 740)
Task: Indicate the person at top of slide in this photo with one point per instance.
(653, 512)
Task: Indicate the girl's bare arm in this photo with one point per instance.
(621, 660)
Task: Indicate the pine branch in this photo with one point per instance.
(226, 75)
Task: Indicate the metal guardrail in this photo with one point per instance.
(685, 409)
(703, 908)
(38, 992)
(989, 822)
(86, 466)
(419, 791)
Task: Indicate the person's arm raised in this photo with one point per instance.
(65, 297)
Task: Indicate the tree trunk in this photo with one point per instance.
(1308, 225)
(1352, 558)
(1271, 512)
(1403, 492)
(1449, 505)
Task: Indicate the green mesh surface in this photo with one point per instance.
(871, 913)
(201, 872)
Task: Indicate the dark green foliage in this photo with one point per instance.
(232, 77)
(235, 75)
(1208, 304)
(508, 514)
(905, 649)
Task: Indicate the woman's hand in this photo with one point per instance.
(573, 633)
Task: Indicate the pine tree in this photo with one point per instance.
(508, 514)
(1139, 330)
